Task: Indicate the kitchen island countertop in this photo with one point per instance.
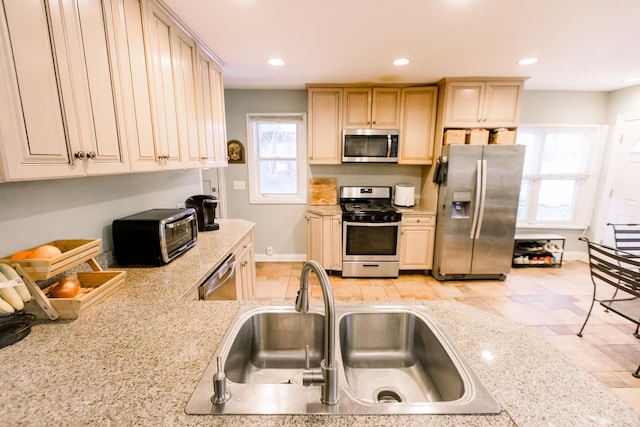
(135, 359)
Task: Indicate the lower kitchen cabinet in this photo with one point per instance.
(417, 237)
(245, 269)
(324, 240)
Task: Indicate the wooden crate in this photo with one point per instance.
(94, 287)
(74, 252)
(454, 136)
(503, 137)
(477, 137)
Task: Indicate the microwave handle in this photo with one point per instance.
(388, 145)
(179, 223)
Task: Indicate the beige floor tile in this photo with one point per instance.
(629, 395)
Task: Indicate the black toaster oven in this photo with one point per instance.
(154, 237)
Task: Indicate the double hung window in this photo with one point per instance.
(277, 166)
(560, 175)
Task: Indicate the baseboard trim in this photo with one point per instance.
(281, 258)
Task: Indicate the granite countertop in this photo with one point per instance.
(136, 357)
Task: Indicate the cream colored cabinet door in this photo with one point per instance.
(502, 103)
(357, 108)
(163, 90)
(324, 132)
(418, 120)
(336, 242)
(371, 108)
(416, 242)
(314, 237)
(246, 270)
(132, 36)
(463, 106)
(100, 102)
(488, 104)
(324, 240)
(184, 66)
(385, 108)
(61, 88)
(38, 138)
(219, 118)
(211, 119)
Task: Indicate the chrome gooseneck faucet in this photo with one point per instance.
(327, 375)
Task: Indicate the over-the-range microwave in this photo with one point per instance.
(370, 145)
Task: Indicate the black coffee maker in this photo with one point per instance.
(205, 207)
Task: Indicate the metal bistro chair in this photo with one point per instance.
(620, 270)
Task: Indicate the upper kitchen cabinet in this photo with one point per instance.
(163, 52)
(171, 75)
(136, 86)
(374, 108)
(490, 103)
(61, 113)
(211, 117)
(324, 134)
(418, 120)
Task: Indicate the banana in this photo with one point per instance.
(20, 287)
(9, 294)
(5, 308)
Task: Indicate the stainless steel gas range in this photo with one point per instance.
(370, 232)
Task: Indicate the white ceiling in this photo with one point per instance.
(581, 44)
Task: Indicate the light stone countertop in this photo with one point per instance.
(135, 359)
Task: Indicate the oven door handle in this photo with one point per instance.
(372, 224)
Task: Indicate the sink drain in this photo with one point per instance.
(388, 396)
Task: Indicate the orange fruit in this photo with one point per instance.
(21, 255)
(45, 251)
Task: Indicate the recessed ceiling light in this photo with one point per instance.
(276, 61)
(528, 61)
(401, 61)
(633, 80)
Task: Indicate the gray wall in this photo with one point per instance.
(37, 212)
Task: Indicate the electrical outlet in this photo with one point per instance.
(269, 250)
(239, 185)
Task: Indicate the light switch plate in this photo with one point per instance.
(239, 185)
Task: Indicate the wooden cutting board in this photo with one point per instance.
(323, 191)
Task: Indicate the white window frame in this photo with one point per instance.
(587, 183)
(253, 160)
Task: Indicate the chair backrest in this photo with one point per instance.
(614, 267)
(627, 237)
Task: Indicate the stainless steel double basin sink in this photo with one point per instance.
(392, 360)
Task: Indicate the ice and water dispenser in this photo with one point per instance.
(461, 204)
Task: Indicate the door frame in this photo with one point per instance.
(600, 225)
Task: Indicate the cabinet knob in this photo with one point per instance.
(80, 155)
(92, 155)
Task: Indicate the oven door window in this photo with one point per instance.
(371, 239)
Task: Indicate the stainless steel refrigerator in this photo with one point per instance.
(477, 209)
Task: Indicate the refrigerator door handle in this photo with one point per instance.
(476, 209)
(483, 198)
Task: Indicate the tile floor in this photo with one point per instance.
(552, 301)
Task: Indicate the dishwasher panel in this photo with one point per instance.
(221, 284)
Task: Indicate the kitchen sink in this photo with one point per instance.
(396, 357)
(391, 360)
(269, 348)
